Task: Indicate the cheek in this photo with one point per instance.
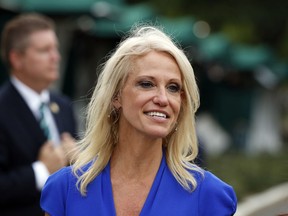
(176, 106)
(133, 103)
(134, 98)
(34, 67)
(32, 63)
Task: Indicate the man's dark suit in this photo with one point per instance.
(20, 140)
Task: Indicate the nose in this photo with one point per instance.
(161, 97)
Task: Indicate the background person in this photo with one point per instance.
(140, 137)
(33, 142)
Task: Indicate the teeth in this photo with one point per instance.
(158, 114)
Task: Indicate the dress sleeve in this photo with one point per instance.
(216, 197)
(54, 193)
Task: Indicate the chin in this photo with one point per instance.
(53, 78)
(159, 134)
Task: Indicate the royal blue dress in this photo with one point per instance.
(167, 197)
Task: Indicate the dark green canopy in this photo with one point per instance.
(122, 19)
(180, 28)
(55, 6)
(215, 47)
(113, 18)
(246, 58)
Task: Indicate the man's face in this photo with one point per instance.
(38, 65)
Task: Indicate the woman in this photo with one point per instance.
(140, 137)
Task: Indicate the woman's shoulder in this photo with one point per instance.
(211, 180)
(211, 188)
(66, 174)
(63, 172)
(61, 178)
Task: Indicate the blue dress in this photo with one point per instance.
(167, 197)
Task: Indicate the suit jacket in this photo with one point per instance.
(20, 140)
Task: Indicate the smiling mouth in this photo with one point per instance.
(157, 114)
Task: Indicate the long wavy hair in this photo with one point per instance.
(101, 134)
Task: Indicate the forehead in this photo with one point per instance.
(42, 37)
(155, 63)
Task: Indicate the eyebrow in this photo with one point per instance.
(153, 78)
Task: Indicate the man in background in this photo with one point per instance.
(37, 127)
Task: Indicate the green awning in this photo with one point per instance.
(244, 57)
(180, 28)
(215, 47)
(123, 19)
(56, 6)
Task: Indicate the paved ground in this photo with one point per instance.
(273, 202)
(279, 208)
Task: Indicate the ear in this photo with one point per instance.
(183, 95)
(15, 59)
(116, 102)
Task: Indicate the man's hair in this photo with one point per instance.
(16, 32)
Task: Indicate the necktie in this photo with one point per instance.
(43, 123)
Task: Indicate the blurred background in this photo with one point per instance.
(239, 52)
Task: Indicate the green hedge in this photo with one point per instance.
(250, 174)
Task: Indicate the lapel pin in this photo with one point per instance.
(54, 107)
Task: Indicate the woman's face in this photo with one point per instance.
(150, 100)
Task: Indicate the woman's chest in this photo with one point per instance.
(129, 197)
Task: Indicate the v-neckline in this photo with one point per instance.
(151, 194)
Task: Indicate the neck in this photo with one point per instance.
(136, 160)
(33, 84)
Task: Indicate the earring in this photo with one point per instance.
(176, 126)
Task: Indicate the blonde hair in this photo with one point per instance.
(101, 134)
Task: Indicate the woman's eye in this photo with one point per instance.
(174, 88)
(146, 84)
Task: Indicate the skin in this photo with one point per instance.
(151, 90)
(38, 65)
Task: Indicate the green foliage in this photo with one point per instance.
(253, 21)
(247, 35)
(250, 174)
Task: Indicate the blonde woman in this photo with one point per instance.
(135, 156)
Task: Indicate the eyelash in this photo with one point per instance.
(173, 87)
(146, 84)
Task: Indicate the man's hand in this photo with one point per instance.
(53, 158)
(68, 145)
